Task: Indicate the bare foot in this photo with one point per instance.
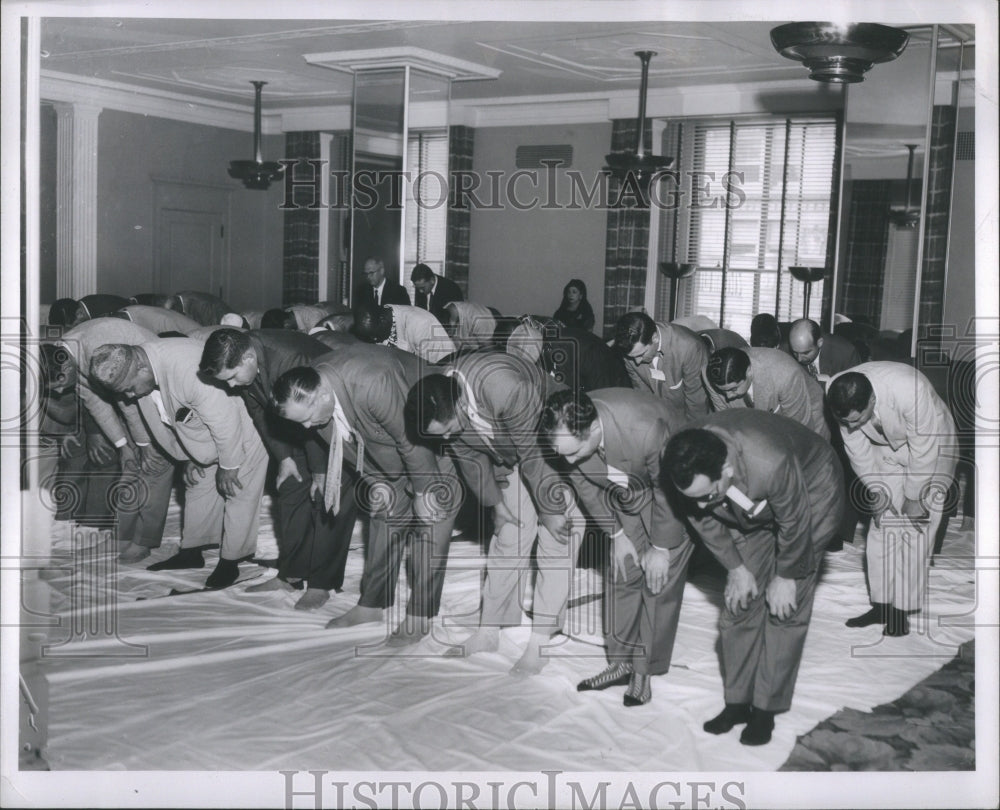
(531, 662)
(133, 553)
(357, 615)
(313, 598)
(485, 639)
(411, 630)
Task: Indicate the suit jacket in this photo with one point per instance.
(837, 354)
(392, 293)
(205, 308)
(796, 471)
(158, 319)
(101, 304)
(780, 385)
(81, 341)
(371, 384)
(910, 429)
(680, 362)
(445, 291)
(508, 392)
(308, 315)
(623, 488)
(418, 332)
(277, 350)
(200, 420)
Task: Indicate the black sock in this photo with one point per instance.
(185, 558)
(224, 575)
(758, 730)
(896, 623)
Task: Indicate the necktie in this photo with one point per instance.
(812, 371)
(158, 402)
(429, 296)
(748, 399)
(340, 431)
(478, 422)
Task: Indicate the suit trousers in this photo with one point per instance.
(82, 490)
(208, 516)
(312, 543)
(760, 652)
(391, 528)
(508, 565)
(144, 500)
(640, 626)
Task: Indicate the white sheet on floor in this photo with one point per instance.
(236, 681)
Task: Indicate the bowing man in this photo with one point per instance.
(612, 439)
(354, 399)
(764, 493)
(200, 424)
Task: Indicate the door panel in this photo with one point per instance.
(191, 250)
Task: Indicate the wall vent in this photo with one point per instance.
(965, 146)
(536, 157)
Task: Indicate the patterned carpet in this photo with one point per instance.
(931, 727)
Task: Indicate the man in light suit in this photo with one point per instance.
(766, 380)
(202, 425)
(377, 289)
(665, 359)
(821, 355)
(612, 440)
(354, 399)
(486, 406)
(312, 544)
(432, 292)
(158, 320)
(900, 438)
(410, 329)
(144, 468)
(764, 494)
(205, 308)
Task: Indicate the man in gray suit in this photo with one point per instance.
(612, 440)
(764, 494)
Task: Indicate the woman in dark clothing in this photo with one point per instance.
(575, 310)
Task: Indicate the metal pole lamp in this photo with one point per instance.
(256, 174)
(807, 275)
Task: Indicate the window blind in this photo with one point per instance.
(426, 228)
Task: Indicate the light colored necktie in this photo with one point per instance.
(158, 402)
(480, 424)
(341, 430)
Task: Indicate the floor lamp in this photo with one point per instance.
(807, 275)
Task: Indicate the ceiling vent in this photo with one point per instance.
(544, 155)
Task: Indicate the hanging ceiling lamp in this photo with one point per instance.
(256, 174)
(909, 217)
(836, 53)
(638, 162)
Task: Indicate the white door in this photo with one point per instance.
(191, 250)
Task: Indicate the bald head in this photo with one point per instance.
(805, 340)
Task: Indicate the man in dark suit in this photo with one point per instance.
(764, 493)
(195, 422)
(379, 290)
(821, 355)
(354, 399)
(432, 292)
(312, 545)
(69, 312)
(486, 406)
(612, 440)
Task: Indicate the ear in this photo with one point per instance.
(248, 356)
(727, 470)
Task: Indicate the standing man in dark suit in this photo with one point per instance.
(612, 440)
(765, 495)
(821, 355)
(379, 290)
(432, 292)
(665, 359)
(312, 545)
(354, 400)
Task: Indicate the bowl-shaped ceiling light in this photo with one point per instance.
(838, 53)
(256, 174)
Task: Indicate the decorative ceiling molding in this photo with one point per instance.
(457, 70)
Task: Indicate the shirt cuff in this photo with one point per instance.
(121, 443)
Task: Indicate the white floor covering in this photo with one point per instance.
(236, 681)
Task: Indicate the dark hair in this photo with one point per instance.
(278, 319)
(432, 399)
(171, 333)
(764, 331)
(850, 392)
(421, 272)
(692, 452)
(372, 323)
(575, 282)
(224, 349)
(572, 409)
(632, 328)
(294, 385)
(726, 366)
(62, 312)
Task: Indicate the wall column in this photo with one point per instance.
(76, 200)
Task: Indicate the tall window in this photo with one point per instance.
(760, 204)
(426, 202)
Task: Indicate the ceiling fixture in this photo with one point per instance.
(908, 217)
(256, 174)
(835, 53)
(638, 162)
